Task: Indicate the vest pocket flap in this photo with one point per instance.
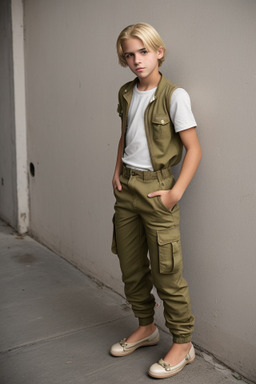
(161, 119)
(168, 236)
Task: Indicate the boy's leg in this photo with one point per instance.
(163, 239)
(132, 252)
(172, 288)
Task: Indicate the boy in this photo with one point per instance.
(157, 122)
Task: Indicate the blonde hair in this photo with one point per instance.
(146, 33)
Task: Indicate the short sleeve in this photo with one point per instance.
(180, 111)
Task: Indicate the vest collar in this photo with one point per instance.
(127, 93)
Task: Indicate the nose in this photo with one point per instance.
(137, 59)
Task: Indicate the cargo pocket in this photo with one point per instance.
(169, 250)
(114, 246)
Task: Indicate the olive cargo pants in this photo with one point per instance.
(143, 225)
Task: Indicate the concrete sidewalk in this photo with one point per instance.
(56, 325)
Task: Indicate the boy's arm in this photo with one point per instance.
(189, 166)
(119, 166)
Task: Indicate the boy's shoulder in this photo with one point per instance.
(166, 83)
(127, 86)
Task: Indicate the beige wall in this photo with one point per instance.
(13, 130)
(8, 199)
(72, 79)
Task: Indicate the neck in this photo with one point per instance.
(146, 84)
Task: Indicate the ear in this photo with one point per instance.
(160, 53)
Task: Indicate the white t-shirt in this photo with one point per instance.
(136, 154)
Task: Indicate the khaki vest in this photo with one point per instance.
(165, 146)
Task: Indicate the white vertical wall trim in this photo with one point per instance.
(20, 116)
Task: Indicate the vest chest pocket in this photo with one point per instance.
(161, 126)
(169, 250)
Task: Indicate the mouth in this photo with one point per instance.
(139, 69)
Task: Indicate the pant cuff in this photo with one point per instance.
(182, 339)
(144, 322)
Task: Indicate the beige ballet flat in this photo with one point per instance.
(123, 348)
(162, 369)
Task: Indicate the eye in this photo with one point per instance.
(144, 52)
(128, 55)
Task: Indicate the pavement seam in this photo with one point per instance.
(58, 336)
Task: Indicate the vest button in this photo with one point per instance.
(162, 122)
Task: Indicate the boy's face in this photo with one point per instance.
(141, 61)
